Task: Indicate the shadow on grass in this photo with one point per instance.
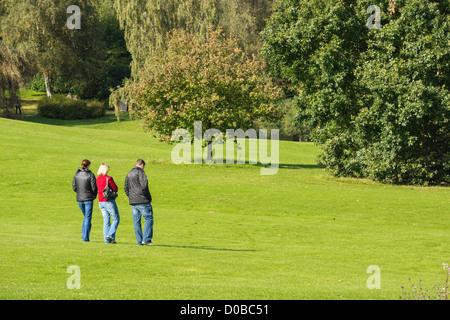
(300, 166)
(108, 118)
(204, 248)
(173, 246)
(292, 166)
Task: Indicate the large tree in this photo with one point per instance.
(147, 22)
(245, 20)
(210, 81)
(41, 27)
(378, 98)
(15, 67)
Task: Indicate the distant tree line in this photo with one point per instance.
(88, 61)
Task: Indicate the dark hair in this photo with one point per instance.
(86, 163)
(139, 162)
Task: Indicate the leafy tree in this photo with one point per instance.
(406, 70)
(210, 81)
(40, 27)
(116, 64)
(378, 98)
(245, 20)
(147, 22)
(14, 68)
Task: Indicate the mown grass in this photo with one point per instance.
(222, 231)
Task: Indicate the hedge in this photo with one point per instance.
(70, 109)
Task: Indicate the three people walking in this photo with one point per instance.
(87, 187)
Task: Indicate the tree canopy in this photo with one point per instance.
(40, 27)
(210, 81)
(15, 67)
(147, 22)
(378, 98)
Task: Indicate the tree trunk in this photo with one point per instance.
(209, 156)
(48, 85)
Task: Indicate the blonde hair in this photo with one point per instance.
(103, 170)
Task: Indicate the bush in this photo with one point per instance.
(37, 83)
(96, 108)
(68, 109)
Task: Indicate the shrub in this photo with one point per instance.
(68, 109)
(96, 108)
(37, 83)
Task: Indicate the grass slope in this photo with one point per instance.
(222, 231)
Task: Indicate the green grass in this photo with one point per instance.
(222, 231)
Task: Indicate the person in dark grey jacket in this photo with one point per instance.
(139, 197)
(85, 185)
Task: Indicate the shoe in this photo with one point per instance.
(148, 243)
(113, 241)
(109, 239)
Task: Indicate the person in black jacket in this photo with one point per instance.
(136, 189)
(85, 185)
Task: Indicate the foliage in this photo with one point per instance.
(37, 83)
(378, 99)
(59, 107)
(40, 27)
(116, 65)
(147, 22)
(87, 62)
(245, 19)
(14, 69)
(210, 81)
(288, 125)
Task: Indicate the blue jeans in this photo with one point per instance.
(146, 211)
(109, 210)
(86, 208)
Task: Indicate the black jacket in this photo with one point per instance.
(85, 185)
(136, 187)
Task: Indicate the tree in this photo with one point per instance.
(377, 98)
(147, 22)
(41, 28)
(245, 20)
(14, 68)
(406, 70)
(114, 66)
(210, 81)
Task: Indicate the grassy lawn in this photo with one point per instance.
(221, 231)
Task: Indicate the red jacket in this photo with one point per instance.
(101, 184)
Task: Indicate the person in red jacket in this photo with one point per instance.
(108, 207)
